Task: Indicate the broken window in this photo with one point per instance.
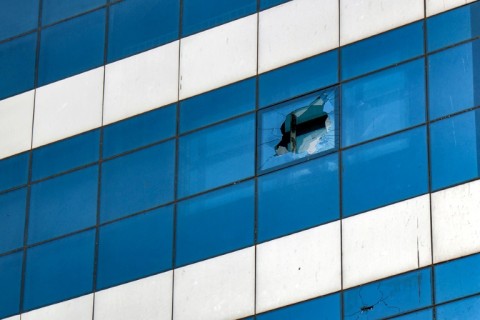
(297, 129)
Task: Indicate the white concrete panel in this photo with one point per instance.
(361, 19)
(16, 116)
(296, 30)
(218, 56)
(146, 299)
(456, 221)
(13, 318)
(68, 107)
(298, 267)
(386, 241)
(75, 309)
(141, 83)
(438, 6)
(216, 289)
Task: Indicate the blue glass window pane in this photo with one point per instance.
(135, 247)
(59, 270)
(17, 65)
(454, 79)
(137, 26)
(453, 26)
(389, 297)
(325, 308)
(12, 219)
(14, 171)
(137, 181)
(55, 10)
(66, 154)
(265, 4)
(199, 15)
(295, 130)
(457, 278)
(63, 204)
(460, 310)
(383, 102)
(402, 158)
(215, 223)
(298, 78)
(455, 143)
(72, 47)
(10, 282)
(17, 16)
(217, 105)
(398, 45)
(298, 198)
(420, 315)
(216, 156)
(139, 131)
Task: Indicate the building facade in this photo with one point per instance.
(240, 159)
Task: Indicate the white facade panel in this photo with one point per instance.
(76, 309)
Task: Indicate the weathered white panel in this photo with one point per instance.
(438, 6)
(298, 267)
(76, 309)
(13, 318)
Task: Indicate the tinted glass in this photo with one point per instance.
(10, 282)
(55, 10)
(460, 310)
(14, 171)
(265, 4)
(17, 16)
(420, 315)
(12, 219)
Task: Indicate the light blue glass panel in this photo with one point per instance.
(199, 15)
(297, 198)
(66, 154)
(216, 156)
(297, 129)
(454, 79)
(139, 131)
(59, 270)
(137, 181)
(265, 4)
(14, 171)
(420, 315)
(215, 223)
(455, 148)
(298, 78)
(217, 105)
(140, 25)
(453, 26)
(12, 219)
(72, 47)
(385, 171)
(383, 102)
(136, 247)
(10, 282)
(389, 297)
(17, 16)
(397, 45)
(63, 204)
(460, 310)
(55, 10)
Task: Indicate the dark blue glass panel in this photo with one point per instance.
(298, 78)
(454, 147)
(215, 223)
(63, 204)
(398, 45)
(59, 270)
(217, 105)
(325, 308)
(72, 47)
(216, 156)
(17, 16)
(458, 278)
(137, 181)
(420, 315)
(55, 10)
(453, 26)
(14, 171)
(139, 131)
(402, 158)
(135, 247)
(389, 297)
(10, 282)
(298, 197)
(17, 65)
(460, 310)
(454, 79)
(137, 26)
(199, 15)
(383, 102)
(265, 4)
(66, 154)
(12, 219)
